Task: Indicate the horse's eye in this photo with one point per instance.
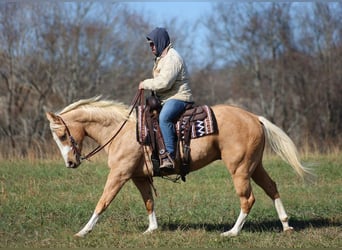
(63, 137)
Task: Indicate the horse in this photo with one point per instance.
(239, 143)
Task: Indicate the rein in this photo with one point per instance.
(100, 147)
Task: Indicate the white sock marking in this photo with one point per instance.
(89, 226)
(237, 226)
(153, 225)
(282, 214)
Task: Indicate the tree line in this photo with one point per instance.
(279, 60)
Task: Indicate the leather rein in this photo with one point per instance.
(74, 145)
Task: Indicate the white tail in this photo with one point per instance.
(282, 144)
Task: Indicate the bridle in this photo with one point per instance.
(73, 143)
(138, 97)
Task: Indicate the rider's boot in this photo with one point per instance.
(167, 164)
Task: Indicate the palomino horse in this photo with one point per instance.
(239, 143)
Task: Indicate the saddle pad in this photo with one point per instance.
(199, 127)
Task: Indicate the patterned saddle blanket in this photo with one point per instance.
(198, 121)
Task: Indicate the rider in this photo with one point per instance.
(170, 83)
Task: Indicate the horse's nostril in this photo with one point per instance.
(72, 164)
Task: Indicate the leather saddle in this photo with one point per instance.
(195, 122)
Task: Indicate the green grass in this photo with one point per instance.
(42, 204)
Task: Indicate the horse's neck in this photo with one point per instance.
(97, 126)
(100, 133)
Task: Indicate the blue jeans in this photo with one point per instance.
(171, 110)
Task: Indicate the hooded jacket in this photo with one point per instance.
(170, 76)
(160, 38)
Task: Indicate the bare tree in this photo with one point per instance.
(13, 92)
(253, 37)
(321, 29)
(51, 58)
(289, 55)
(282, 60)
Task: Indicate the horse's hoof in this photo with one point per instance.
(229, 234)
(289, 230)
(149, 231)
(78, 235)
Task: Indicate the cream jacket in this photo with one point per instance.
(170, 77)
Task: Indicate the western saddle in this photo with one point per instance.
(196, 121)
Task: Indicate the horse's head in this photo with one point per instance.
(68, 138)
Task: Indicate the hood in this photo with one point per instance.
(160, 38)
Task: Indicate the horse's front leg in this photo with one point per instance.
(144, 186)
(114, 183)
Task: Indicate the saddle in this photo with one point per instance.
(195, 122)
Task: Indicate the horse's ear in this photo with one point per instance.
(52, 117)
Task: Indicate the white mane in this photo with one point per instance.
(98, 106)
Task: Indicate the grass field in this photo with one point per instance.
(42, 204)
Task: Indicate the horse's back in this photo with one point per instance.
(237, 126)
(235, 113)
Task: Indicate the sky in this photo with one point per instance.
(162, 11)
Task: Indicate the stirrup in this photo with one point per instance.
(167, 164)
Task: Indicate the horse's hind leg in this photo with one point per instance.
(244, 190)
(261, 178)
(144, 186)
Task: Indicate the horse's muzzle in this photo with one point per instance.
(72, 164)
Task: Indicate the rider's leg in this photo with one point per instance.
(171, 110)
